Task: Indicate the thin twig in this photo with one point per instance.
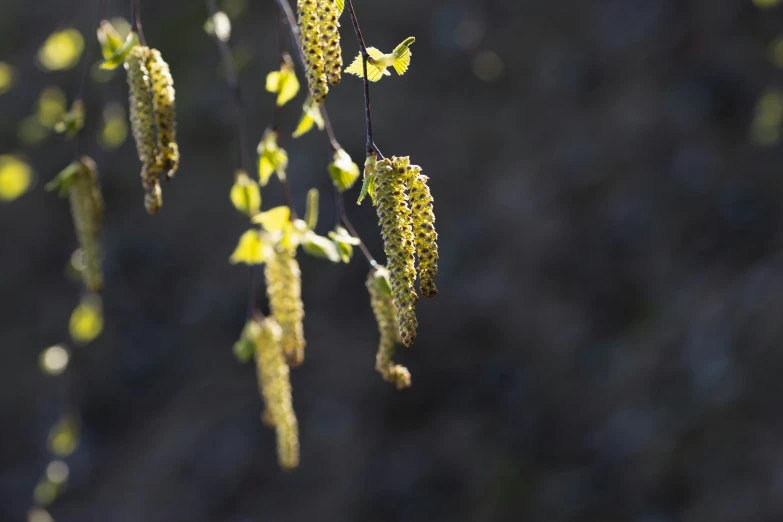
(136, 22)
(236, 93)
(340, 203)
(285, 59)
(329, 130)
(370, 144)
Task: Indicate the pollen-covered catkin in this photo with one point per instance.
(425, 236)
(386, 316)
(284, 289)
(330, 35)
(274, 381)
(87, 209)
(143, 125)
(165, 113)
(313, 48)
(394, 217)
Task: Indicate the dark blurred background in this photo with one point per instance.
(607, 343)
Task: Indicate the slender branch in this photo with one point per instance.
(340, 203)
(285, 58)
(136, 22)
(329, 130)
(236, 93)
(370, 145)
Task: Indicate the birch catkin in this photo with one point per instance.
(275, 386)
(386, 316)
(313, 47)
(394, 217)
(330, 35)
(284, 289)
(425, 236)
(162, 85)
(87, 209)
(143, 125)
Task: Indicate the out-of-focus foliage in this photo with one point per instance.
(16, 177)
(61, 50)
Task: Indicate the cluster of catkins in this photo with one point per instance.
(86, 202)
(153, 120)
(319, 26)
(404, 206)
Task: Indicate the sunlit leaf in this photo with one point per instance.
(283, 82)
(311, 115)
(319, 246)
(245, 194)
(61, 50)
(245, 347)
(271, 158)
(6, 77)
(273, 220)
(16, 176)
(118, 58)
(344, 242)
(343, 170)
(311, 211)
(86, 320)
(62, 181)
(250, 249)
(368, 185)
(109, 39)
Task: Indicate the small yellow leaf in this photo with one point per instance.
(249, 250)
(283, 82)
(109, 39)
(311, 115)
(86, 320)
(271, 158)
(61, 50)
(343, 170)
(245, 194)
(273, 220)
(16, 176)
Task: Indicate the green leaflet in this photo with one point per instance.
(119, 55)
(311, 115)
(245, 194)
(378, 62)
(271, 158)
(343, 170)
(283, 82)
(274, 220)
(319, 246)
(250, 249)
(368, 185)
(63, 181)
(311, 211)
(109, 39)
(245, 347)
(344, 242)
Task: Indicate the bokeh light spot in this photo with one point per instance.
(51, 106)
(6, 77)
(16, 176)
(61, 50)
(54, 360)
(488, 66)
(115, 127)
(57, 472)
(86, 320)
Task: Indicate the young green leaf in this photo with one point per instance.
(273, 220)
(368, 185)
(343, 170)
(245, 347)
(245, 194)
(319, 246)
(62, 182)
(311, 115)
(71, 122)
(271, 158)
(311, 211)
(119, 55)
(250, 249)
(378, 62)
(283, 82)
(109, 39)
(344, 242)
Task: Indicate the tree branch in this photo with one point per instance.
(136, 22)
(370, 145)
(89, 56)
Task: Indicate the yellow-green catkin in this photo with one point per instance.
(313, 47)
(143, 125)
(394, 217)
(275, 385)
(284, 289)
(386, 317)
(165, 113)
(330, 35)
(425, 236)
(87, 209)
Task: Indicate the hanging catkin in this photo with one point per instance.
(330, 35)
(394, 217)
(284, 289)
(425, 236)
(143, 125)
(87, 209)
(386, 316)
(313, 48)
(163, 102)
(275, 386)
